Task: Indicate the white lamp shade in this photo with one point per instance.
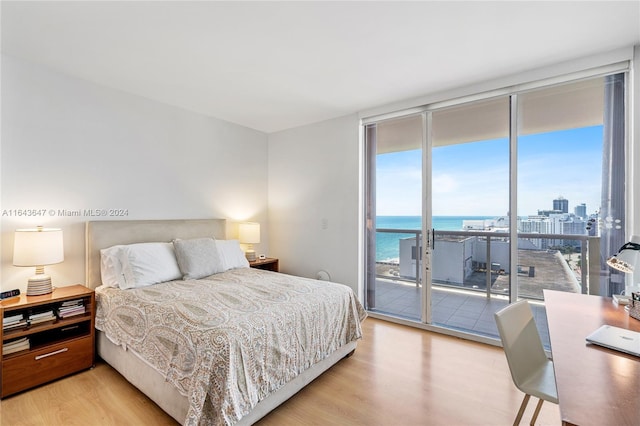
(38, 247)
(627, 258)
(249, 233)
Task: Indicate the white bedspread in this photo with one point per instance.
(228, 341)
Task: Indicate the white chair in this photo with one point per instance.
(531, 370)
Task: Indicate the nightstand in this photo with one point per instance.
(268, 264)
(46, 337)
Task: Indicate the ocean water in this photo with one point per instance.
(387, 244)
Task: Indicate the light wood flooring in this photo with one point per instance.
(397, 376)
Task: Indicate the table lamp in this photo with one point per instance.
(38, 247)
(626, 261)
(249, 233)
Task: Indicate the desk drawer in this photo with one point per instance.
(44, 365)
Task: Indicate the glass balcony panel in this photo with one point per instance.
(481, 260)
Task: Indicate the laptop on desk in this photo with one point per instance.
(616, 338)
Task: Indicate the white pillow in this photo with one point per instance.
(111, 267)
(144, 264)
(231, 254)
(197, 258)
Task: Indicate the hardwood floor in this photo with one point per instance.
(397, 376)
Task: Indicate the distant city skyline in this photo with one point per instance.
(472, 179)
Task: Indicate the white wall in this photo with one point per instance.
(72, 145)
(313, 199)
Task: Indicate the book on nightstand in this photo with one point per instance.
(15, 346)
(71, 308)
(41, 317)
(13, 322)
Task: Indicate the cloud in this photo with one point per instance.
(444, 184)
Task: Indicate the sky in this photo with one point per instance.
(472, 179)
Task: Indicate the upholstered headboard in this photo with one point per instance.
(103, 234)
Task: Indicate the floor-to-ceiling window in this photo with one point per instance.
(560, 154)
(519, 190)
(469, 205)
(395, 215)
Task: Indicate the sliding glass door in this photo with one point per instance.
(470, 213)
(473, 205)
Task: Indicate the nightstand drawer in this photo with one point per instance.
(268, 264)
(41, 366)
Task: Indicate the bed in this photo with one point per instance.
(222, 349)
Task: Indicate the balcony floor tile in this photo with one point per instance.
(469, 312)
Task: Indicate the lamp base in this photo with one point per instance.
(38, 285)
(250, 255)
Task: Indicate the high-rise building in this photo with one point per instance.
(537, 225)
(581, 210)
(561, 204)
(548, 213)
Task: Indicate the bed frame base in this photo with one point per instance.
(165, 395)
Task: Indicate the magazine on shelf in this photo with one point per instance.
(71, 313)
(71, 308)
(39, 320)
(15, 342)
(75, 302)
(19, 324)
(39, 315)
(12, 319)
(16, 346)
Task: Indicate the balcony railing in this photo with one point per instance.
(482, 260)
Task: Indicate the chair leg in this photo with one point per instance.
(525, 401)
(535, 413)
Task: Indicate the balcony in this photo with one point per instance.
(470, 276)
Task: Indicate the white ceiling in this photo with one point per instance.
(276, 65)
